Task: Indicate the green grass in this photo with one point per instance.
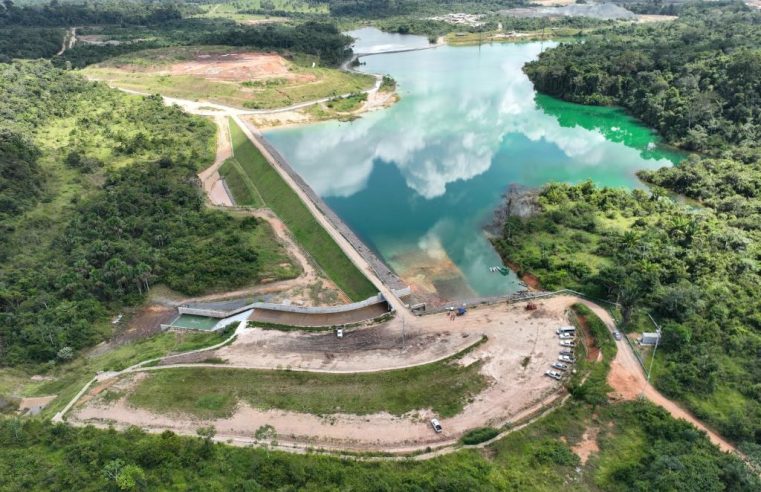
(476, 436)
(69, 378)
(349, 103)
(243, 190)
(144, 71)
(308, 232)
(210, 392)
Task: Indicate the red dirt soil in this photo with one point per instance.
(593, 351)
(528, 278)
(238, 67)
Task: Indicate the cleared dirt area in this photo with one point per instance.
(245, 79)
(588, 444)
(521, 344)
(34, 405)
(646, 18)
(237, 67)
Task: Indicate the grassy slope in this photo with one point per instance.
(137, 71)
(68, 379)
(287, 205)
(243, 190)
(210, 392)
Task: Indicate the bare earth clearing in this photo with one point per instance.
(514, 335)
(247, 79)
(237, 67)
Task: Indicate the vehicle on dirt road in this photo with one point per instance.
(554, 375)
(617, 335)
(340, 333)
(560, 366)
(436, 425)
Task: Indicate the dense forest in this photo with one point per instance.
(99, 202)
(642, 448)
(694, 267)
(38, 32)
(67, 14)
(387, 8)
(697, 81)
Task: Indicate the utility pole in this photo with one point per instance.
(403, 323)
(652, 359)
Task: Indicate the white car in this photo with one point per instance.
(567, 343)
(617, 335)
(560, 366)
(436, 425)
(340, 332)
(566, 336)
(566, 358)
(553, 375)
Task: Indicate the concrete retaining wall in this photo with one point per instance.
(288, 308)
(320, 309)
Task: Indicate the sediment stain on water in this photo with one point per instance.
(418, 181)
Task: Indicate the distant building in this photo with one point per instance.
(650, 338)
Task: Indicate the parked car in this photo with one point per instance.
(565, 329)
(566, 336)
(566, 358)
(436, 425)
(567, 343)
(566, 352)
(553, 375)
(340, 332)
(617, 335)
(560, 366)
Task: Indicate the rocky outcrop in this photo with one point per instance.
(518, 201)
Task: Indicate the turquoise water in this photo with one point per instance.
(418, 180)
(371, 40)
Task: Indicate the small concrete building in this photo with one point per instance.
(650, 338)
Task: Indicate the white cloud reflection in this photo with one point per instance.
(450, 130)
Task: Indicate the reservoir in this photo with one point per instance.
(418, 181)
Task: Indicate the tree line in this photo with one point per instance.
(669, 455)
(694, 266)
(92, 225)
(66, 14)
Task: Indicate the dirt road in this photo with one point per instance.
(211, 181)
(628, 381)
(68, 41)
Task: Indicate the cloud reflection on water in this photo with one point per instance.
(450, 131)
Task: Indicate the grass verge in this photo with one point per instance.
(243, 190)
(214, 393)
(288, 206)
(68, 379)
